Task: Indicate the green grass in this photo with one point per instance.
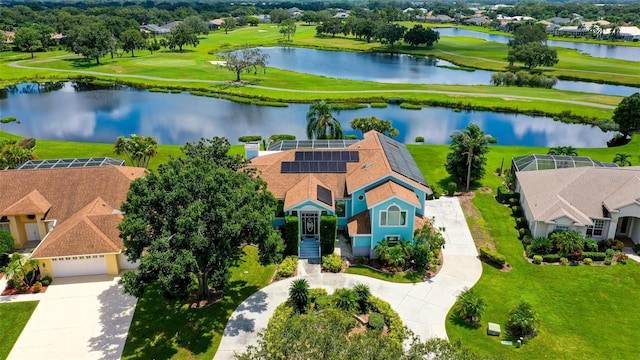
(161, 329)
(583, 310)
(13, 318)
(409, 277)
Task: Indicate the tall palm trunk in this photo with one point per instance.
(469, 160)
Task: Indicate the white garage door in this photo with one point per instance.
(125, 264)
(79, 265)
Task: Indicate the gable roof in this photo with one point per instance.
(306, 190)
(92, 230)
(580, 194)
(32, 203)
(388, 190)
(373, 165)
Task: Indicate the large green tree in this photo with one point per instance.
(139, 149)
(321, 124)
(466, 160)
(419, 35)
(27, 39)
(533, 54)
(92, 41)
(627, 114)
(528, 33)
(366, 124)
(198, 25)
(187, 221)
(12, 155)
(390, 33)
(182, 35)
(245, 60)
(132, 40)
(288, 28)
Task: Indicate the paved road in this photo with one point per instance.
(84, 317)
(16, 64)
(423, 306)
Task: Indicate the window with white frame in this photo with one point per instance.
(562, 227)
(393, 216)
(596, 229)
(392, 239)
(4, 224)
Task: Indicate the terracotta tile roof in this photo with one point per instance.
(360, 224)
(307, 189)
(32, 203)
(67, 190)
(579, 193)
(92, 230)
(419, 222)
(372, 166)
(387, 190)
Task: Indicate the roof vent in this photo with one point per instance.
(367, 165)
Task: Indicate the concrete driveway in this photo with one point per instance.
(423, 306)
(84, 317)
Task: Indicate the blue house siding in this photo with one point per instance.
(361, 205)
(361, 245)
(379, 232)
(309, 206)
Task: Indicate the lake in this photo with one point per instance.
(630, 53)
(79, 113)
(402, 69)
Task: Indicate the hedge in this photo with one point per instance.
(287, 267)
(328, 232)
(291, 235)
(392, 319)
(595, 256)
(504, 195)
(551, 258)
(27, 143)
(493, 256)
(278, 137)
(249, 138)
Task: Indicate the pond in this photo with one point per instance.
(74, 112)
(400, 68)
(630, 53)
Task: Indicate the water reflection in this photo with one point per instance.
(103, 115)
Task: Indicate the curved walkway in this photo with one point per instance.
(423, 306)
(16, 64)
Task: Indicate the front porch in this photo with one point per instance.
(309, 248)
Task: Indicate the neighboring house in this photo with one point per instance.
(576, 31)
(264, 18)
(154, 29)
(69, 216)
(341, 15)
(215, 24)
(599, 201)
(9, 35)
(627, 33)
(478, 21)
(559, 20)
(171, 25)
(373, 186)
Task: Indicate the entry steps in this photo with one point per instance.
(309, 249)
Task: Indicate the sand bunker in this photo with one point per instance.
(218, 62)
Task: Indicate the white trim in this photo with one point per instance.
(320, 204)
(400, 211)
(393, 197)
(394, 176)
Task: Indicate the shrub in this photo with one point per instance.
(594, 255)
(513, 201)
(362, 260)
(636, 248)
(524, 232)
(609, 253)
(328, 232)
(316, 293)
(376, 321)
(249, 138)
(287, 267)
(590, 245)
(46, 281)
(522, 320)
(529, 251)
(621, 257)
(516, 210)
(537, 259)
(351, 137)
(6, 246)
(492, 256)
(346, 299)
(567, 241)
(271, 248)
(505, 196)
(322, 302)
(291, 235)
(470, 306)
(37, 287)
(614, 244)
(564, 261)
(278, 137)
(419, 139)
(588, 261)
(364, 293)
(541, 245)
(551, 258)
(299, 295)
(332, 263)
(451, 188)
(395, 326)
(526, 240)
(27, 143)
(607, 261)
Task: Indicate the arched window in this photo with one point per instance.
(393, 216)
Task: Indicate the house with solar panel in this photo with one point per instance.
(373, 186)
(598, 200)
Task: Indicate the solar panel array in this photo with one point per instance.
(70, 163)
(335, 156)
(324, 195)
(298, 167)
(401, 160)
(310, 144)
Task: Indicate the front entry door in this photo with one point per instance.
(33, 233)
(309, 223)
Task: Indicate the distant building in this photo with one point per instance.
(478, 21)
(559, 20)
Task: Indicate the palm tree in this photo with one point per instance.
(382, 249)
(594, 30)
(522, 320)
(622, 159)
(363, 297)
(570, 151)
(396, 256)
(299, 295)
(346, 299)
(470, 306)
(472, 141)
(321, 123)
(568, 241)
(139, 149)
(557, 150)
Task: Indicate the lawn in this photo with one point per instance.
(409, 277)
(13, 318)
(583, 310)
(163, 329)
